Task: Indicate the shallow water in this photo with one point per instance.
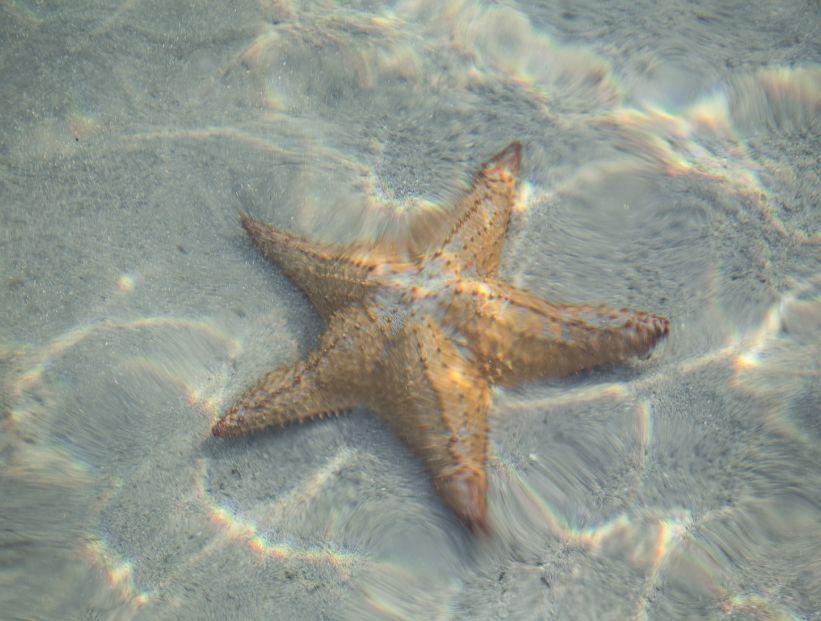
(670, 164)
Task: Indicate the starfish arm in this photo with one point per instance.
(329, 276)
(332, 379)
(481, 218)
(438, 403)
(519, 337)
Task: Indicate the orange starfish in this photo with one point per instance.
(420, 338)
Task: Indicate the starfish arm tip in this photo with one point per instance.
(510, 158)
(227, 427)
(465, 492)
(656, 329)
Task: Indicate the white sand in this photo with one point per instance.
(671, 165)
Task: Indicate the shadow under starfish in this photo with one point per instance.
(421, 337)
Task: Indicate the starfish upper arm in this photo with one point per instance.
(482, 216)
(516, 336)
(438, 402)
(330, 380)
(329, 276)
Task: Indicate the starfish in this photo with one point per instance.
(421, 336)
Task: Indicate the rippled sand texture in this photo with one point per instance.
(670, 158)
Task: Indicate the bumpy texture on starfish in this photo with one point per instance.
(420, 337)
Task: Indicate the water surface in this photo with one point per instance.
(669, 164)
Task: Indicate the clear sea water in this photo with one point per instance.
(670, 164)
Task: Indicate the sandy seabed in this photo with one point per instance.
(670, 164)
